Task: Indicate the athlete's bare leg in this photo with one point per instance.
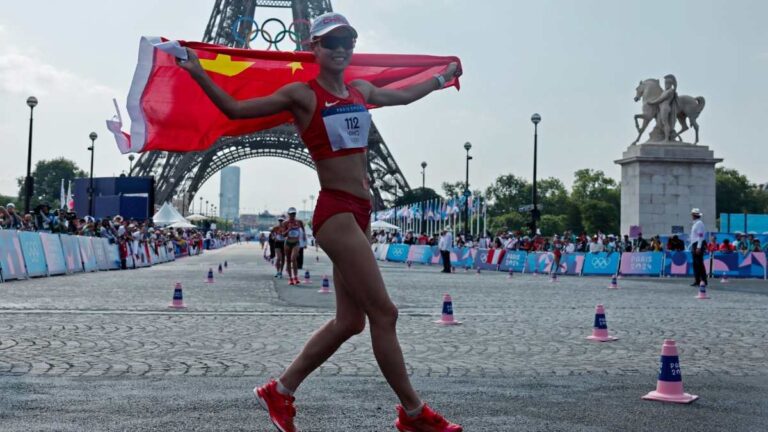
(287, 259)
(279, 260)
(295, 261)
(353, 260)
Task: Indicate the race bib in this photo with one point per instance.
(347, 126)
(294, 233)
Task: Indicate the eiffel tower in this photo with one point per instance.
(179, 176)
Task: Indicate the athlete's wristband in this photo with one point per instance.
(440, 81)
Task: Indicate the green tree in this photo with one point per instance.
(735, 194)
(511, 221)
(48, 175)
(553, 224)
(5, 199)
(507, 194)
(599, 201)
(416, 195)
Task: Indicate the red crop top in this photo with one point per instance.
(339, 126)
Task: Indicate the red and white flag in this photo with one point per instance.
(169, 111)
(495, 256)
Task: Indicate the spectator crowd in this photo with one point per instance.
(569, 242)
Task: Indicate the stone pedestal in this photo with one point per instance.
(662, 182)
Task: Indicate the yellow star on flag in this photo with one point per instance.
(294, 67)
(223, 64)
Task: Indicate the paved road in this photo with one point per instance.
(102, 351)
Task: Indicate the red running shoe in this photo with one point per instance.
(279, 406)
(427, 421)
(290, 281)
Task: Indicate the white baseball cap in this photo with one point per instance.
(328, 22)
(291, 210)
(696, 211)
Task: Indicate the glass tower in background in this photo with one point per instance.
(229, 194)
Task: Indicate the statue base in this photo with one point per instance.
(662, 182)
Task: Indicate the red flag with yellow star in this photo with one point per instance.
(170, 112)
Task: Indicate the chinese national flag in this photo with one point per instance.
(170, 112)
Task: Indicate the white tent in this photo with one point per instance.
(167, 215)
(384, 225)
(196, 217)
(181, 224)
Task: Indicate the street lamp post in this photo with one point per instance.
(29, 183)
(130, 164)
(423, 192)
(467, 147)
(93, 137)
(535, 119)
(200, 209)
(206, 207)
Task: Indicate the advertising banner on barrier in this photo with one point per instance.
(572, 263)
(34, 256)
(113, 255)
(98, 251)
(87, 254)
(751, 264)
(538, 262)
(11, 257)
(642, 263)
(435, 257)
(514, 260)
(679, 263)
(462, 257)
(54, 254)
(71, 248)
(397, 252)
(383, 249)
(601, 263)
(489, 259)
(420, 254)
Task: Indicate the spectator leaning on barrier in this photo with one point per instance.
(14, 217)
(27, 223)
(656, 244)
(5, 218)
(726, 247)
(596, 246)
(641, 244)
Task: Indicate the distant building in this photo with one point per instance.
(258, 222)
(229, 194)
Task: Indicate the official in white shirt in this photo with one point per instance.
(445, 244)
(698, 247)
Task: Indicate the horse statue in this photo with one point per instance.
(689, 108)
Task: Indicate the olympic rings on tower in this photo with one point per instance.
(259, 30)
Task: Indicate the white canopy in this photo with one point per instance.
(181, 224)
(167, 215)
(196, 217)
(384, 225)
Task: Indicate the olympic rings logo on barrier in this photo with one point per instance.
(600, 262)
(291, 32)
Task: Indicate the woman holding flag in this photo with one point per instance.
(334, 121)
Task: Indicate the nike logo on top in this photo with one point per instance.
(329, 104)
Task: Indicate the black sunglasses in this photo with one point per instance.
(333, 42)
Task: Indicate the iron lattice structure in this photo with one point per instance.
(179, 176)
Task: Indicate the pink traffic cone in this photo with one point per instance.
(447, 316)
(221, 270)
(724, 279)
(600, 328)
(669, 387)
(325, 288)
(209, 279)
(178, 298)
(511, 273)
(478, 271)
(408, 263)
(614, 284)
(703, 292)
(554, 277)
(453, 269)
(307, 279)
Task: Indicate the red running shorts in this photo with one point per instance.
(331, 202)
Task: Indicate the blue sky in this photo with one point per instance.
(575, 62)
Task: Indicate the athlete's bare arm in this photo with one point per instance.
(388, 97)
(291, 97)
